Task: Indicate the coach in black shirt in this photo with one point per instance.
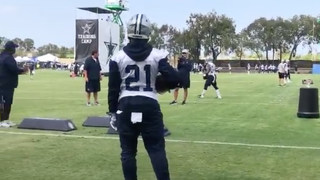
(9, 72)
(184, 68)
(92, 75)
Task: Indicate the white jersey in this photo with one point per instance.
(139, 78)
(229, 66)
(285, 67)
(281, 68)
(81, 67)
(211, 68)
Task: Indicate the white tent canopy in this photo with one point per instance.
(18, 58)
(48, 58)
(26, 59)
(23, 59)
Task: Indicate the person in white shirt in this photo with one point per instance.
(81, 70)
(256, 68)
(229, 66)
(281, 73)
(248, 68)
(262, 68)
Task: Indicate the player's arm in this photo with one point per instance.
(11, 64)
(85, 69)
(101, 75)
(208, 69)
(170, 75)
(113, 86)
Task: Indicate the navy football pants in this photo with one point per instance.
(151, 130)
(6, 100)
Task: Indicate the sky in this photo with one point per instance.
(53, 21)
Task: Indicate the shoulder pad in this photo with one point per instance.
(118, 57)
(160, 54)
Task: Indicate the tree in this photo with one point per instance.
(63, 52)
(239, 44)
(280, 38)
(194, 36)
(155, 38)
(18, 41)
(3, 40)
(49, 48)
(71, 50)
(261, 31)
(28, 44)
(216, 31)
(175, 43)
(299, 32)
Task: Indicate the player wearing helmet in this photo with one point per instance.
(287, 78)
(211, 80)
(132, 98)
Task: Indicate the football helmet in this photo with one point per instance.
(139, 27)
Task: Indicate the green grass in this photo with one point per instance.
(253, 111)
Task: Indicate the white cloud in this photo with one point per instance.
(8, 9)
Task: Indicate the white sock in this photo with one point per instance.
(218, 93)
(203, 92)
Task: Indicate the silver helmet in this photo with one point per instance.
(139, 27)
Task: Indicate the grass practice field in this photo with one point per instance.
(250, 134)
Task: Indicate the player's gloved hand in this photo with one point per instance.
(113, 121)
(205, 76)
(161, 85)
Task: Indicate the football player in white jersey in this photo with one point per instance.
(211, 80)
(281, 72)
(133, 101)
(287, 75)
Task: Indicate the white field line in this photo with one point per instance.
(214, 101)
(167, 140)
(190, 94)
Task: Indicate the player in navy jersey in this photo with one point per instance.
(132, 98)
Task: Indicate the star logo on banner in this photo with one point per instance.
(111, 47)
(86, 29)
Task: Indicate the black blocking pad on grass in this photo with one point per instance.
(308, 103)
(51, 124)
(97, 121)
